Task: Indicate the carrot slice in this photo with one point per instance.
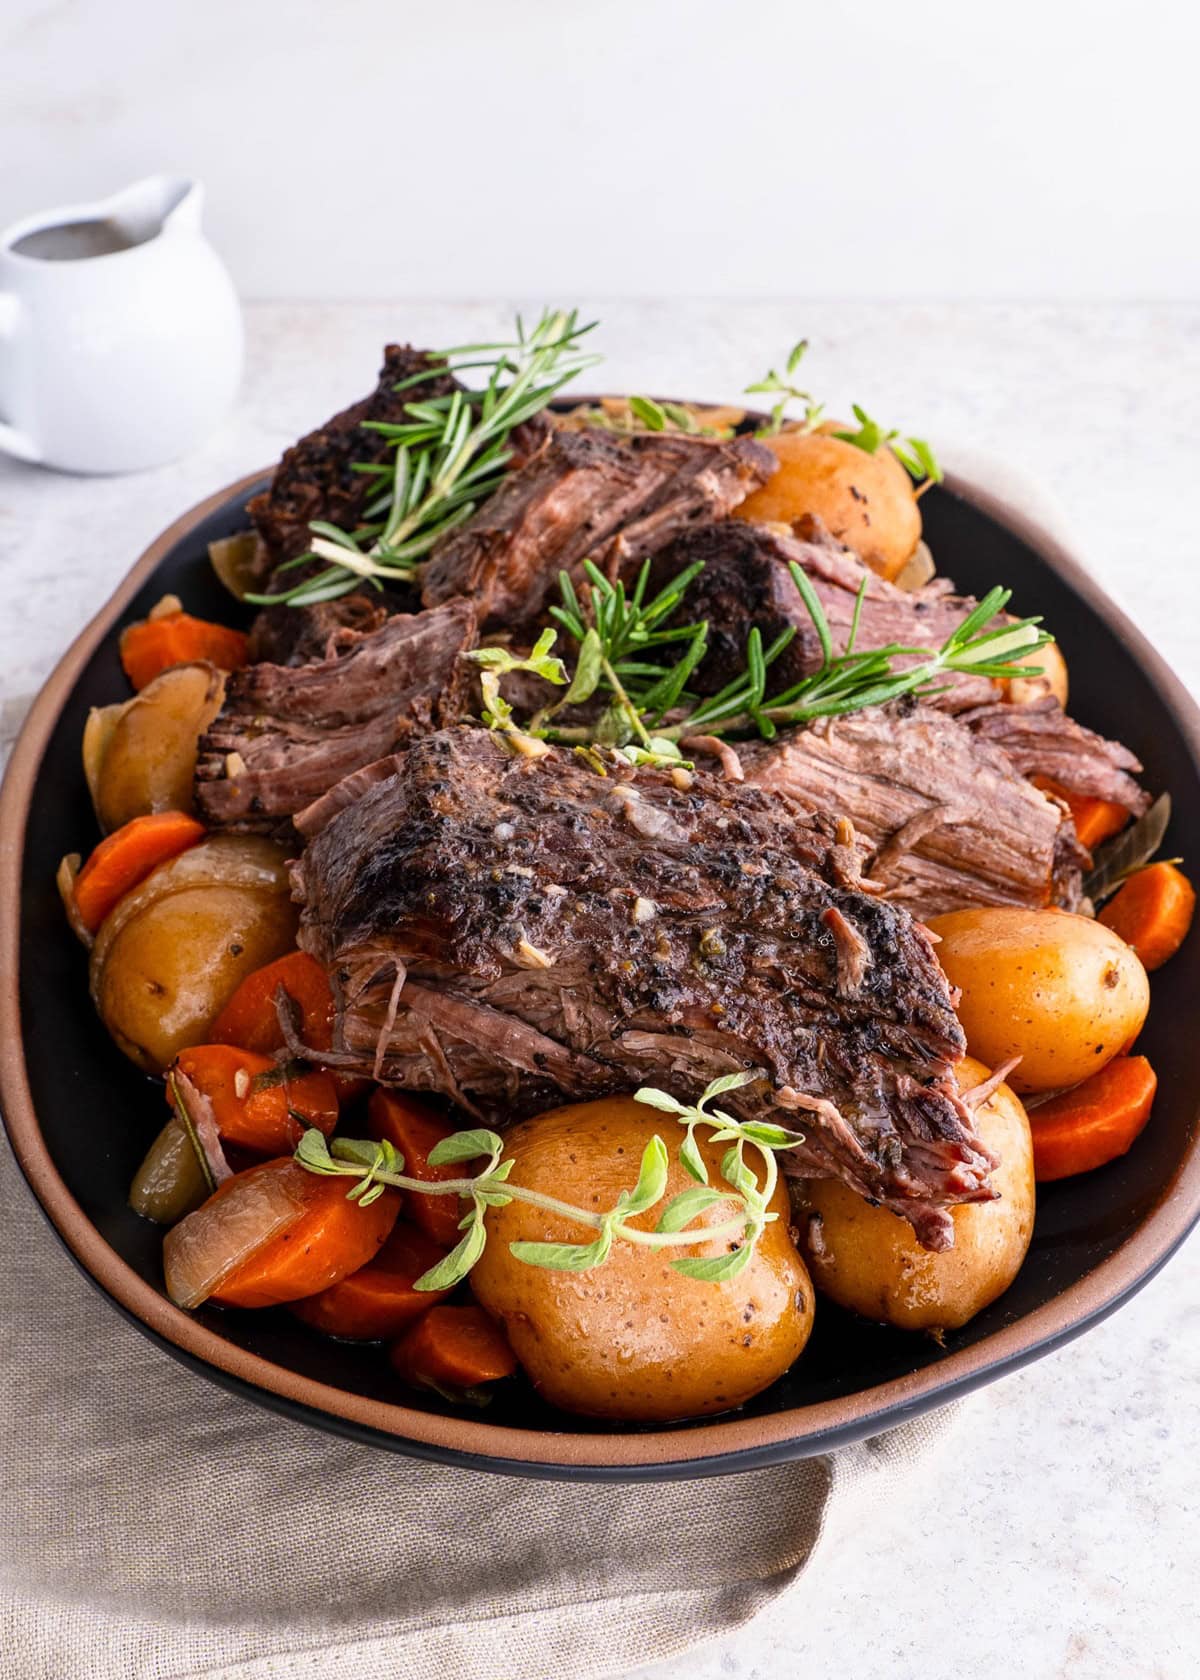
(379, 1301)
(414, 1128)
(1095, 819)
(1094, 1123)
(331, 1239)
(123, 860)
(251, 1020)
(256, 1102)
(454, 1348)
(1152, 912)
(152, 645)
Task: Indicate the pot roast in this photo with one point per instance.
(513, 933)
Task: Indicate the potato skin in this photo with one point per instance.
(1060, 991)
(1026, 691)
(868, 1258)
(174, 950)
(633, 1339)
(144, 756)
(865, 501)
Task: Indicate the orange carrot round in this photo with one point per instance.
(257, 1103)
(333, 1238)
(123, 860)
(379, 1301)
(1095, 1122)
(176, 638)
(251, 1020)
(1152, 912)
(455, 1348)
(414, 1128)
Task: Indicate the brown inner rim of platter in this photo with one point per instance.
(1162, 1228)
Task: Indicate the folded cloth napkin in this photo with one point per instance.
(153, 1527)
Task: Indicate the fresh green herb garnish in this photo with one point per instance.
(616, 636)
(914, 454)
(781, 385)
(373, 1166)
(450, 455)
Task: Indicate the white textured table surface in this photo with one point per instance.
(1060, 1537)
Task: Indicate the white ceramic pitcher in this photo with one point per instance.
(120, 332)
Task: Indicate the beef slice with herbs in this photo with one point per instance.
(513, 933)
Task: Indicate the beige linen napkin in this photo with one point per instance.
(153, 1527)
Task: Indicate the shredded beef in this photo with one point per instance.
(941, 818)
(588, 494)
(286, 735)
(513, 932)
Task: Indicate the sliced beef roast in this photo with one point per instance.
(286, 735)
(1041, 740)
(512, 932)
(746, 582)
(585, 493)
(941, 818)
(315, 480)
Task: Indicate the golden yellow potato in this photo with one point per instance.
(868, 1259)
(866, 501)
(634, 1339)
(1060, 991)
(174, 950)
(141, 756)
(1024, 691)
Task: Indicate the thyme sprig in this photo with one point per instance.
(374, 1166)
(914, 454)
(450, 454)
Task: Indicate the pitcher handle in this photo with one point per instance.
(12, 440)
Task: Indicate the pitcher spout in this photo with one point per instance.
(157, 204)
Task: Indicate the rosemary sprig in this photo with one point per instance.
(373, 1166)
(850, 681)
(617, 635)
(450, 455)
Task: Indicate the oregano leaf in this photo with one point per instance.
(686, 1206)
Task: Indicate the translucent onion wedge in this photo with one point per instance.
(98, 732)
(68, 869)
(170, 1181)
(204, 1250)
(236, 561)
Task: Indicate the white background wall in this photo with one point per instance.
(468, 148)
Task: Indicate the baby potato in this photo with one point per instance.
(634, 1339)
(865, 501)
(140, 757)
(171, 954)
(868, 1258)
(1025, 691)
(1060, 991)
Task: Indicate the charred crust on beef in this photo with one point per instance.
(837, 997)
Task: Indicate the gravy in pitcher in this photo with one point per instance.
(76, 241)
